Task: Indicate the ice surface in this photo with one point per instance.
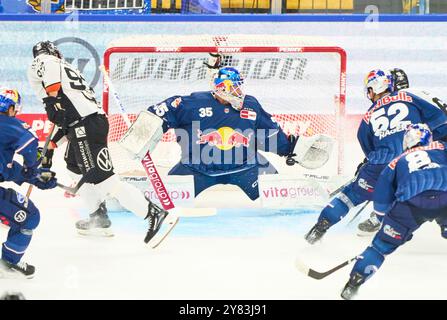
(237, 254)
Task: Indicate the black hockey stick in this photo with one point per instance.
(336, 191)
(320, 275)
(358, 212)
(72, 190)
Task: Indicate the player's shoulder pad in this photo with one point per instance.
(47, 59)
(198, 99)
(14, 122)
(174, 101)
(419, 96)
(252, 102)
(42, 63)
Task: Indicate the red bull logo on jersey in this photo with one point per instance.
(224, 138)
(435, 145)
(402, 96)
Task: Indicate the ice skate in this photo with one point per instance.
(21, 270)
(98, 224)
(369, 227)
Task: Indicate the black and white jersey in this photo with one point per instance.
(49, 73)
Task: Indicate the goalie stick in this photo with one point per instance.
(301, 266)
(149, 167)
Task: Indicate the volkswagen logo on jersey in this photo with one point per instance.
(224, 138)
(104, 161)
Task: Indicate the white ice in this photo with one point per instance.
(234, 255)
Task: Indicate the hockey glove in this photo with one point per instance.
(30, 172)
(290, 161)
(55, 110)
(361, 164)
(44, 179)
(47, 160)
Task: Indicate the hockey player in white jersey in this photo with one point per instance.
(71, 105)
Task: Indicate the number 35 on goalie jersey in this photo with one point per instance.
(382, 129)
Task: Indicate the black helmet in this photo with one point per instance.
(400, 79)
(46, 47)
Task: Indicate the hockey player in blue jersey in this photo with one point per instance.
(220, 132)
(413, 191)
(380, 136)
(18, 212)
(400, 82)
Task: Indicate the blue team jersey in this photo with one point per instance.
(215, 138)
(382, 129)
(16, 138)
(416, 170)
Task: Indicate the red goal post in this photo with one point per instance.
(165, 66)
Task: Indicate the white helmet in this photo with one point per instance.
(417, 134)
(378, 81)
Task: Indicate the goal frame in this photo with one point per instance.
(340, 109)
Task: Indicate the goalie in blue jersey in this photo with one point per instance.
(220, 132)
(413, 190)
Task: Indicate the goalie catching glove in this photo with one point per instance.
(310, 152)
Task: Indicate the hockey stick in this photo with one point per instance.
(358, 212)
(72, 190)
(44, 151)
(320, 275)
(336, 191)
(148, 166)
(147, 162)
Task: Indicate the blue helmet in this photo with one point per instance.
(8, 98)
(227, 85)
(378, 81)
(418, 134)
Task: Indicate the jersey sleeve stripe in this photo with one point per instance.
(53, 87)
(25, 145)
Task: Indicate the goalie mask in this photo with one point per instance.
(46, 47)
(227, 85)
(378, 81)
(8, 98)
(418, 134)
